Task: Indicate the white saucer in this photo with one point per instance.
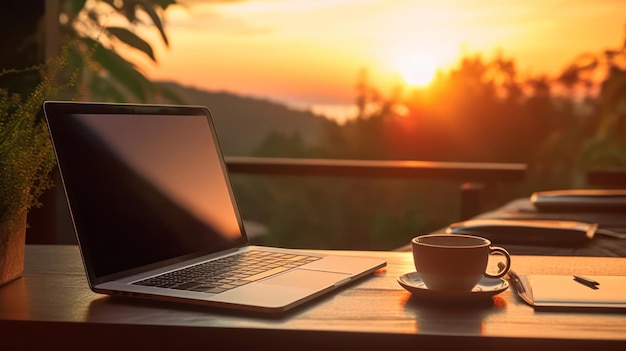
(486, 288)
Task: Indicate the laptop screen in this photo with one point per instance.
(145, 184)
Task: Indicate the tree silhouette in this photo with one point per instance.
(103, 33)
(607, 145)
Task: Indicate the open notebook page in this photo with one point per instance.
(564, 291)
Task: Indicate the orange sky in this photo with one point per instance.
(308, 53)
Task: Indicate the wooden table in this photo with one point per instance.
(51, 307)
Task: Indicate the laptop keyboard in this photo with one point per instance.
(229, 272)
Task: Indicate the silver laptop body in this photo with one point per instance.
(149, 196)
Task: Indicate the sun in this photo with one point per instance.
(417, 70)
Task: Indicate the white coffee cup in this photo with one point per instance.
(454, 262)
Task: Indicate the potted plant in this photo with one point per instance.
(26, 159)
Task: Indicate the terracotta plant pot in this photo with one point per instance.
(12, 245)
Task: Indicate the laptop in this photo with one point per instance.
(155, 215)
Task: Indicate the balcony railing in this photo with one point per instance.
(473, 175)
(464, 171)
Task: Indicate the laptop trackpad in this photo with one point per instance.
(305, 278)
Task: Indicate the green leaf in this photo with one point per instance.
(132, 40)
(149, 9)
(123, 71)
(101, 88)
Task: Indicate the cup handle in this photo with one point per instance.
(507, 266)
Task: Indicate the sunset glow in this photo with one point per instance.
(308, 53)
(418, 70)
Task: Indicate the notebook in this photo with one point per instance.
(572, 293)
(154, 212)
(582, 200)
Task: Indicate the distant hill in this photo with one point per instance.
(243, 123)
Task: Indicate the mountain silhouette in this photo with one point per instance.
(242, 123)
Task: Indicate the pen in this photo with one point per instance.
(517, 281)
(586, 281)
(515, 278)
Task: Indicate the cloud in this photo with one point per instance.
(213, 16)
(250, 17)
